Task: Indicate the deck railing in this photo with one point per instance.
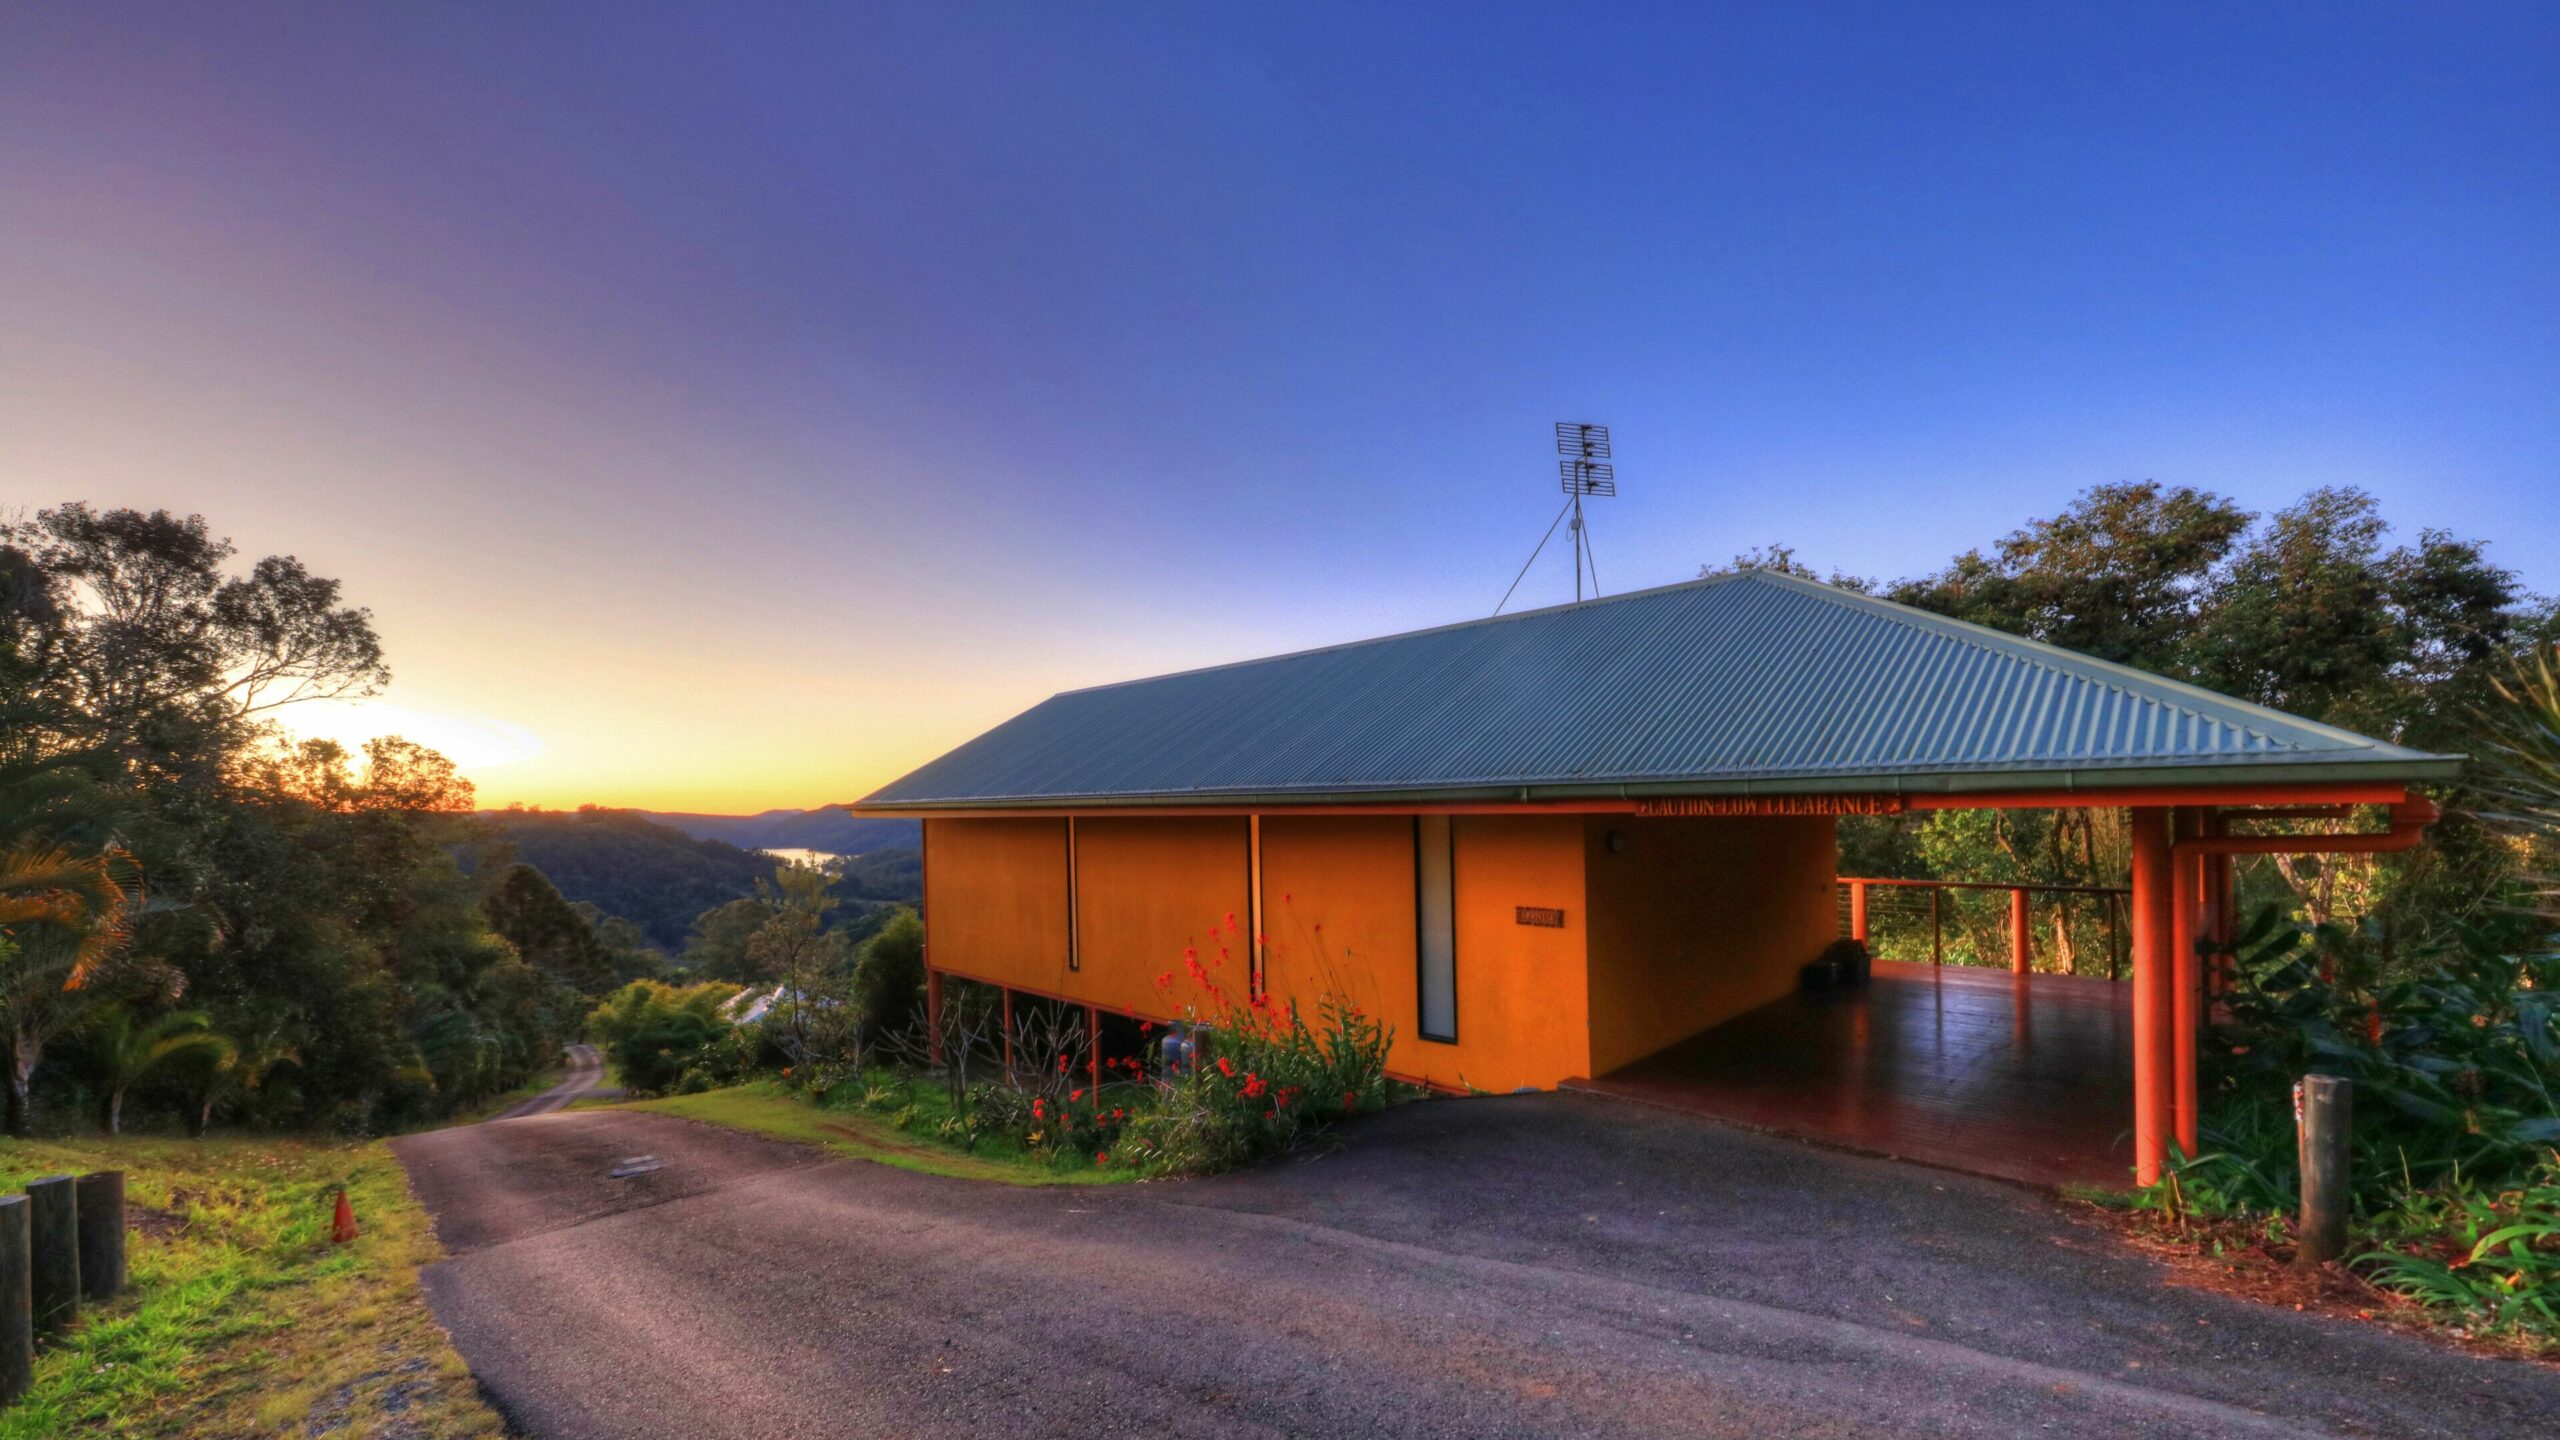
(2057, 929)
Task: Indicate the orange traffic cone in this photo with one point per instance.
(343, 1228)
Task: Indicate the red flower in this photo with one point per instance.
(1075, 1094)
(1062, 1064)
(1164, 979)
(1224, 1067)
(1254, 1085)
(1039, 1109)
(1231, 919)
(1148, 1027)
(1101, 1157)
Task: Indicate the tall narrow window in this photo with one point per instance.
(1435, 913)
(1075, 947)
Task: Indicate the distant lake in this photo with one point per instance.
(818, 859)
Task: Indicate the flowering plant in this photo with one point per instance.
(1272, 1074)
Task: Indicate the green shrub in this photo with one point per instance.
(656, 1034)
(2457, 1071)
(2490, 1255)
(888, 977)
(2455, 1173)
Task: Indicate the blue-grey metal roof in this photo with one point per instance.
(1752, 682)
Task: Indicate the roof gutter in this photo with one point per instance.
(2386, 780)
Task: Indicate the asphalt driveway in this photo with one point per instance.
(1532, 1266)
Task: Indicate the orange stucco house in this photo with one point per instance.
(1547, 845)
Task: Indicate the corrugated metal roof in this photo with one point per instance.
(1749, 682)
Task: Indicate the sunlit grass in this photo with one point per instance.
(242, 1318)
(849, 1129)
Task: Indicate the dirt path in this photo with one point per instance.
(586, 1072)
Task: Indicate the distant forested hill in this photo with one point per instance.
(830, 828)
(655, 876)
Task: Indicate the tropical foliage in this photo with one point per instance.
(180, 884)
(2455, 1055)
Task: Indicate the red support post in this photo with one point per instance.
(2186, 994)
(2153, 896)
(2022, 938)
(1858, 911)
(1093, 1047)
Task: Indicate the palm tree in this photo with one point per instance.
(2523, 759)
(67, 898)
(242, 1068)
(64, 917)
(130, 1051)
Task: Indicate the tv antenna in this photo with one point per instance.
(1585, 470)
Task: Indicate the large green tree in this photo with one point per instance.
(308, 896)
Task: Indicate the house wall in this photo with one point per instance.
(1698, 920)
(1337, 904)
(1338, 907)
(1148, 889)
(995, 900)
(1524, 1013)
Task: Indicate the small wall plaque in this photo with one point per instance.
(1540, 915)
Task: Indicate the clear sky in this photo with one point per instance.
(724, 406)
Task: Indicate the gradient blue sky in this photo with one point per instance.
(724, 406)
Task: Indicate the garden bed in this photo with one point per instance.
(899, 1125)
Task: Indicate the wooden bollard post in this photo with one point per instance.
(102, 1235)
(2323, 1107)
(53, 1239)
(17, 1303)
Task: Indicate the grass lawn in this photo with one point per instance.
(242, 1318)
(847, 1127)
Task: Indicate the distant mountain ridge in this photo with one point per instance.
(659, 872)
(655, 876)
(830, 828)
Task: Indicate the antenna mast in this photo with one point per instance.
(1586, 471)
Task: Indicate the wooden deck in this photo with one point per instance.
(2027, 1079)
